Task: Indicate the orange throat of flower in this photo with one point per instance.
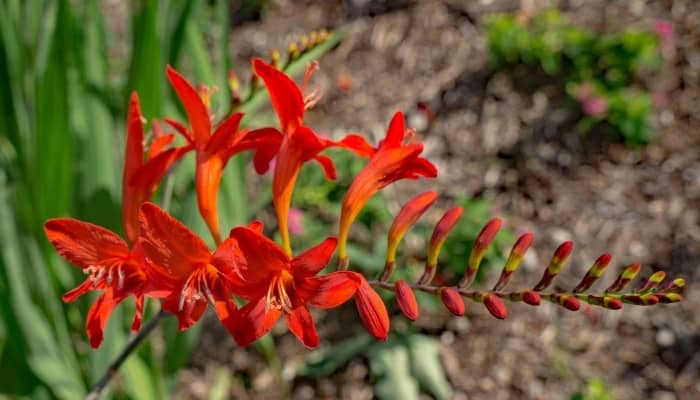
(278, 292)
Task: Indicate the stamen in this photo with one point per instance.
(207, 292)
(120, 274)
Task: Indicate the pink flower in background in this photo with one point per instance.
(296, 224)
(660, 99)
(665, 31)
(595, 106)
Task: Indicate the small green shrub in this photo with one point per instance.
(600, 71)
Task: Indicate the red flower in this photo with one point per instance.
(299, 143)
(214, 150)
(276, 284)
(390, 162)
(111, 267)
(141, 178)
(191, 276)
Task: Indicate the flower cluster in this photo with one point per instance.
(249, 280)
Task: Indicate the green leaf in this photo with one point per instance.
(391, 367)
(326, 361)
(222, 384)
(424, 352)
(147, 69)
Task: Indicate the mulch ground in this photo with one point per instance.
(509, 138)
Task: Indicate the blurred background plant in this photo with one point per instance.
(601, 72)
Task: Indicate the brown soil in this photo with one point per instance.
(508, 138)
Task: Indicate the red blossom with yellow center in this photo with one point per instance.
(191, 277)
(277, 284)
(110, 265)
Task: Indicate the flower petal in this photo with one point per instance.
(73, 294)
(252, 322)
(328, 291)
(84, 244)
(313, 260)
(142, 185)
(98, 315)
(327, 165)
(267, 145)
(357, 144)
(190, 313)
(138, 313)
(261, 260)
(285, 96)
(226, 135)
(133, 157)
(301, 324)
(194, 107)
(170, 244)
(395, 133)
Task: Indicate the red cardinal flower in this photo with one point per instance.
(192, 276)
(276, 284)
(111, 267)
(214, 150)
(299, 143)
(141, 178)
(391, 161)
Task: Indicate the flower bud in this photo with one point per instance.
(482, 243)
(561, 255)
(408, 216)
(624, 278)
(372, 311)
(531, 297)
(452, 300)
(517, 253)
(495, 306)
(406, 300)
(442, 229)
(593, 273)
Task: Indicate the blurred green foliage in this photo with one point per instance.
(64, 89)
(401, 368)
(596, 389)
(599, 70)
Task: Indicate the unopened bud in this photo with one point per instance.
(561, 255)
(409, 214)
(495, 306)
(481, 244)
(593, 273)
(452, 300)
(441, 231)
(624, 278)
(517, 253)
(406, 300)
